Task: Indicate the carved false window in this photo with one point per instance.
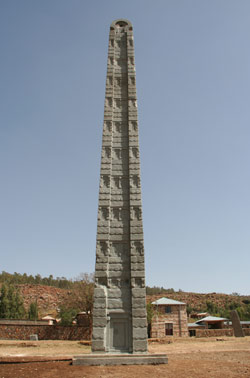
(107, 126)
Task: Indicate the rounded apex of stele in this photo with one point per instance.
(121, 23)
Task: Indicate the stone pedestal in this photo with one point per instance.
(120, 359)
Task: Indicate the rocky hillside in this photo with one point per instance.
(49, 298)
(199, 302)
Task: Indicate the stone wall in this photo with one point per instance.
(218, 332)
(44, 332)
(23, 322)
(178, 317)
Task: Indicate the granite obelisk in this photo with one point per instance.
(119, 314)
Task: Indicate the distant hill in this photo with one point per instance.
(214, 303)
(50, 293)
(50, 298)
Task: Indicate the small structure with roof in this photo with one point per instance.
(198, 315)
(209, 322)
(170, 318)
(49, 319)
(83, 319)
(212, 322)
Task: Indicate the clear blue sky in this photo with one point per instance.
(193, 85)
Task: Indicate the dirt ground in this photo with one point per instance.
(190, 358)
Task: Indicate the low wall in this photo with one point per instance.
(213, 332)
(219, 332)
(246, 331)
(44, 332)
(23, 322)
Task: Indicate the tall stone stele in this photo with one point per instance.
(119, 315)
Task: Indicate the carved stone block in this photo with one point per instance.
(119, 296)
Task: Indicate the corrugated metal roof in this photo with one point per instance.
(167, 301)
(211, 319)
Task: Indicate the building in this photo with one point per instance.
(207, 323)
(83, 319)
(212, 326)
(212, 322)
(170, 318)
(49, 319)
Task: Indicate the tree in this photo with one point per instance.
(150, 314)
(38, 279)
(20, 310)
(33, 311)
(212, 308)
(189, 309)
(4, 303)
(80, 298)
(67, 315)
(11, 304)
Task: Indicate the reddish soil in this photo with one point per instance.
(188, 358)
(220, 365)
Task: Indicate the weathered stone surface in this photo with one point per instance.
(137, 274)
(99, 293)
(238, 331)
(101, 260)
(138, 236)
(100, 266)
(139, 322)
(140, 333)
(115, 267)
(138, 312)
(99, 313)
(100, 274)
(98, 346)
(136, 259)
(100, 322)
(100, 303)
(118, 303)
(98, 333)
(139, 345)
(115, 293)
(137, 266)
(138, 302)
(138, 293)
(119, 270)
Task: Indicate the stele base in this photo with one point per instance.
(95, 359)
